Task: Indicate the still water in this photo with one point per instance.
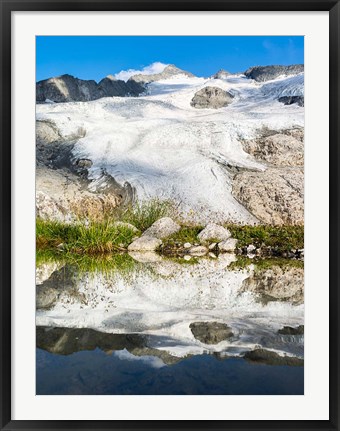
(150, 325)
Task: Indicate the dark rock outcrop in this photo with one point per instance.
(290, 100)
(110, 86)
(211, 98)
(266, 73)
(67, 88)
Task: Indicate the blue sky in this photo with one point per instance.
(94, 57)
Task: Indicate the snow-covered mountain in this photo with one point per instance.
(164, 147)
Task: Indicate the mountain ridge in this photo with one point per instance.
(67, 88)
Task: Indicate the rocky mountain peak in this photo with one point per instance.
(111, 78)
(267, 73)
(168, 72)
(221, 74)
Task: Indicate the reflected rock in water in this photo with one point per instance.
(183, 309)
(211, 332)
(277, 284)
(66, 341)
(262, 356)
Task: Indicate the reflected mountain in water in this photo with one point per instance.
(169, 310)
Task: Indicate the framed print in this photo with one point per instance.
(169, 215)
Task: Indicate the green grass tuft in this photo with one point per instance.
(186, 234)
(143, 214)
(97, 238)
(282, 238)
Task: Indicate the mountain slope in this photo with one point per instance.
(163, 147)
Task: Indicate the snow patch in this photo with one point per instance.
(152, 69)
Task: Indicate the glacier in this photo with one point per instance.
(167, 149)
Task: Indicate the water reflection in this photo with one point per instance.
(163, 313)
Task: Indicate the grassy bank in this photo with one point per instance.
(97, 238)
(280, 238)
(108, 237)
(83, 263)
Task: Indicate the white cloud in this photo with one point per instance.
(156, 67)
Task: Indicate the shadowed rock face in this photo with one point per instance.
(211, 97)
(63, 190)
(110, 86)
(211, 332)
(67, 88)
(267, 73)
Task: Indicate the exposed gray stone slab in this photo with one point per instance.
(212, 98)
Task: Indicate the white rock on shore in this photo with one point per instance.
(214, 231)
(162, 228)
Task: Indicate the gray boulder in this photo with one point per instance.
(145, 243)
(211, 98)
(214, 232)
(267, 73)
(162, 228)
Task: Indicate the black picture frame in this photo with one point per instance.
(6, 8)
